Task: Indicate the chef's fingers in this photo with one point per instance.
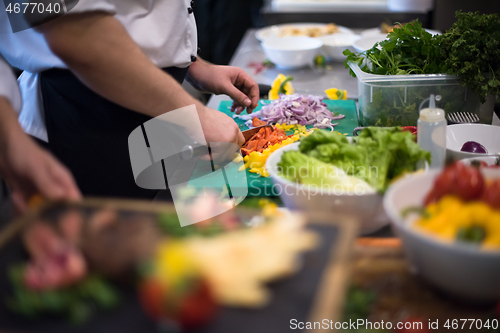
(245, 93)
(53, 181)
(64, 180)
(19, 202)
(250, 88)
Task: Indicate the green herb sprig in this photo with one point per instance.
(408, 49)
(470, 49)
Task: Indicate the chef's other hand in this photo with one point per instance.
(28, 169)
(232, 81)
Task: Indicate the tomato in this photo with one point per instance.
(491, 194)
(413, 324)
(151, 296)
(457, 179)
(469, 183)
(191, 310)
(442, 185)
(197, 308)
(411, 129)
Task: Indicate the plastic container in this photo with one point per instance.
(431, 134)
(393, 100)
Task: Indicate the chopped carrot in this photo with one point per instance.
(257, 122)
(264, 138)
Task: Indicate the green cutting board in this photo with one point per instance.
(263, 186)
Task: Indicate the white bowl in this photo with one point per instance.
(366, 208)
(490, 160)
(292, 52)
(461, 270)
(378, 31)
(457, 135)
(334, 45)
(366, 43)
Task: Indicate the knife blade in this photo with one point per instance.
(189, 151)
(182, 165)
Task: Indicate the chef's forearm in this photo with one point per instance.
(9, 126)
(98, 49)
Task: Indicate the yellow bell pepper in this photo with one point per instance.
(334, 93)
(450, 216)
(274, 93)
(256, 161)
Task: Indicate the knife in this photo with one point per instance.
(189, 151)
(182, 167)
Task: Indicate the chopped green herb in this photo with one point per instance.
(417, 210)
(473, 234)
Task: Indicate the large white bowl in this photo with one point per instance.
(292, 52)
(366, 43)
(378, 31)
(457, 135)
(461, 270)
(366, 208)
(334, 45)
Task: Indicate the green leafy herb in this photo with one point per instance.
(408, 49)
(169, 224)
(470, 49)
(268, 62)
(418, 210)
(75, 302)
(472, 234)
(358, 305)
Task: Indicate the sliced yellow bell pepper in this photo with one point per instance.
(274, 93)
(256, 161)
(334, 93)
(450, 216)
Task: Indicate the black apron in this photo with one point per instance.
(89, 134)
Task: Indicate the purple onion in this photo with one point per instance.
(474, 147)
(299, 109)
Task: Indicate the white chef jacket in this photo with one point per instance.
(8, 86)
(165, 30)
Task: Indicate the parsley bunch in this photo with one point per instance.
(409, 49)
(471, 50)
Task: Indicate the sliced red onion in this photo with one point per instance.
(248, 116)
(299, 109)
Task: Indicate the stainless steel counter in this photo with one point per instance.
(305, 80)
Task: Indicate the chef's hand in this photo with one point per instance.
(29, 169)
(232, 81)
(221, 132)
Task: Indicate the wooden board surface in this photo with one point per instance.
(380, 266)
(316, 291)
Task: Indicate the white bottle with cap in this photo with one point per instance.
(431, 133)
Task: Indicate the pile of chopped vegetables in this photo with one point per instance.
(257, 150)
(452, 219)
(263, 139)
(301, 110)
(462, 206)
